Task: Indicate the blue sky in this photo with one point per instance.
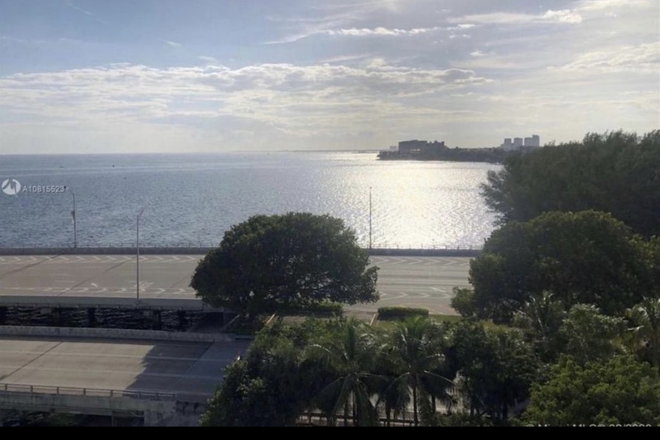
(100, 76)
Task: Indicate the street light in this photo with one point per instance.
(73, 214)
(370, 218)
(138, 252)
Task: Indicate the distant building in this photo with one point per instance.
(411, 147)
(533, 141)
(421, 147)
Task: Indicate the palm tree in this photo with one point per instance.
(420, 362)
(352, 358)
(646, 318)
(541, 318)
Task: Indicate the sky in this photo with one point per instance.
(142, 76)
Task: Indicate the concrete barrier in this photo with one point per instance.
(152, 411)
(112, 333)
(204, 250)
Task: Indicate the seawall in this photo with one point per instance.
(433, 252)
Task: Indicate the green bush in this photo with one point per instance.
(400, 312)
(463, 302)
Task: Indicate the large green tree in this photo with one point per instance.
(621, 390)
(588, 335)
(271, 263)
(585, 257)
(615, 172)
(496, 368)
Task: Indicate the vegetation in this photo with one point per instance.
(618, 391)
(490, 155)
(615, 172)
(645, 331)
(400, 312)
(346, 370)
(586, 257)
(561, 327)
(273, 263)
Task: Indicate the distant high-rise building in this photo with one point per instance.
(518, 143)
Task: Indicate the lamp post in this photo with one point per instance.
(137, 246)
(370, 229)
(73, 214)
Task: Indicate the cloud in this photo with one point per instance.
(381, 31)
(304, 98)
(330, 15)
(644, 58)
(173, 44)
(208, 59)
(600, 5)
(564, 16)
(69, 3)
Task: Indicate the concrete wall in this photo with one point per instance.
(204, 250)
(153, 410)
(112, 333)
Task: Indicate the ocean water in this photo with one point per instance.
(195, 198)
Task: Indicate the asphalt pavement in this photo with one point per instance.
(106, 279)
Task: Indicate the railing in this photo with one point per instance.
(193, 244)
(88, 392)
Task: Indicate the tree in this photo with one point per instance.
(590, 336)
(274, 383)
(645, 318)
(586, 257)
(239, 401)
(420, 364)
(351, 357)
(541, 318)
(621, 390)
(271, 263)
(615, 172)
(496, 368)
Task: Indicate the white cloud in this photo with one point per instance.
(208, 59)
(599, 5)
(381, 31)
(173, 44)
(299, 101)
(564, 16)
(644, 58)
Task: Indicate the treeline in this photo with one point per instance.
(575, 264)
(577, 368)
(489, 155)
(561, 325)
(615, 172)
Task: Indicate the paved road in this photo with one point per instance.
(192, 369)
(410, 281)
